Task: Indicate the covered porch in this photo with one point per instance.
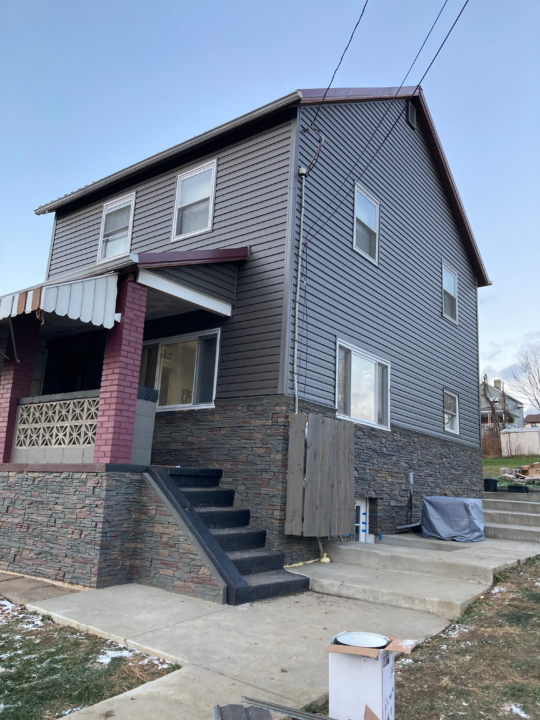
(86, 363)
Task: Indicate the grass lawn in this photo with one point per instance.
(492, 466)
(49, 670)
(485, 666)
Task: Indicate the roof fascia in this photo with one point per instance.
(166, 156)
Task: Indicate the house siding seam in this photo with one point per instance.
(251, 207)
(393, 311)
(97, 530)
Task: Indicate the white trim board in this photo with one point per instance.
(156, 282)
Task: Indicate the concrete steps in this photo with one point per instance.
(413, 560)
(514, 517)
(445, 597)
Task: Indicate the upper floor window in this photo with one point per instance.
(362, 387)
(366, 224)
(194, 201)
(182, 368)
(450, 293)
(116, 225)
(451, 412)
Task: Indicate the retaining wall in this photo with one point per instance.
(97, 529)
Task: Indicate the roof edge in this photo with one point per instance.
(263, 111)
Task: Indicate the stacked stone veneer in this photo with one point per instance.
(97, 529)
(248, 439)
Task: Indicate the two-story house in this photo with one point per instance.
(175, 318)
(498, 408)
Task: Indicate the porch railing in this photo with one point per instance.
(58, 421)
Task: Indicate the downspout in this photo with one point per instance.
(303, 173)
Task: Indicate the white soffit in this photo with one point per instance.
(91, 301)
(156, 282)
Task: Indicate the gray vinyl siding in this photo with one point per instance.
(250, 209)
(393, 311)
(217, 280)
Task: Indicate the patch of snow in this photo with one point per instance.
(497, 589)
(162, 664)
(71, 710)
(106, 657)
(515, 709)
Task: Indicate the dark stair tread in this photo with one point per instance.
(209, 496)
(218, 508)
(257, 560)
(239, 538)
(215, 517)
(192, 472)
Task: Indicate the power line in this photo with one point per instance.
(329, 203)
(338, 65)
(388, 133)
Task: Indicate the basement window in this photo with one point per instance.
(183, 369)
(450, 293)
(362, 387)
(451, 412)
(366, 224)
(116, 224)
(194, 206)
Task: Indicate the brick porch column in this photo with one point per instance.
(120, 379)
(16, 378)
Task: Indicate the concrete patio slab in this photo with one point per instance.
(22, 590)
(119, 612)
(276, 646)
(187, 694)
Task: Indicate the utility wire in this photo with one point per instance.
(329, 203)
(387, 134)
(338, 65)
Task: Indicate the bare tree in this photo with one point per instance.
(527, 379)
(494, 415)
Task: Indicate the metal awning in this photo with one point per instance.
(92, 300)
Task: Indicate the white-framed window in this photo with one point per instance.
(116, 224)
(450, 293)
(362, 386)
(183, 368)
(451, 412)
(366, 224)
(194, 205)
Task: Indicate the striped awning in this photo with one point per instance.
(92, 300)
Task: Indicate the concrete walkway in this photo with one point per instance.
(20, 589)
(274, 649)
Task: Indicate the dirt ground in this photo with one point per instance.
(486, 665)
(49, 670)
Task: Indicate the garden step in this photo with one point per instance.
(258, 560)
(512, 532)
(504, 517)
(239, 538)
(512, 505)
(222, 517)
(209, 496)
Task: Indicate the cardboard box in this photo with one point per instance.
(361, 682)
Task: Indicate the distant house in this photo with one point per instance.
(507, 409)
(532, 421)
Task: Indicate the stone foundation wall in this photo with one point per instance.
(97, 529)
(248, 440)
(383, 461)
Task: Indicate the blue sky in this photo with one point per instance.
(88, 88)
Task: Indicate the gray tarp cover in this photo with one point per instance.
(448, 518)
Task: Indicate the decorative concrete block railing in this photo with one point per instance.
(56, 428)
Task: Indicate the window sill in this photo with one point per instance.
(183, 408)
(452, 432)
(450, 319)
(178, 238)
(366, 256)
(113, 258)
(357, 421)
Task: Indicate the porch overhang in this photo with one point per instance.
(181, 292)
